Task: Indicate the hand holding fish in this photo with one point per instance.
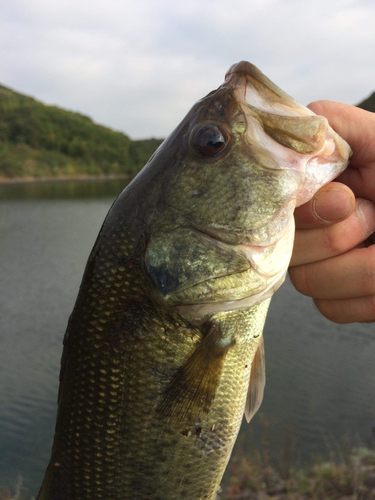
(334, 259)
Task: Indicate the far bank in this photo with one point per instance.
(63, 178)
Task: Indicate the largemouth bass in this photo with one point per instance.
(163, 352)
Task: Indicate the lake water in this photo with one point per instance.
(320, 376)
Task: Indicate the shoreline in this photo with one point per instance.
(62, 178)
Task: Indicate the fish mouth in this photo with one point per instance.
(253, 87)
(291, 134)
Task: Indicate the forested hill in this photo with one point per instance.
(37, 140)
(368, 104)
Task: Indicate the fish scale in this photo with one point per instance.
(163, 352)
(107, 445)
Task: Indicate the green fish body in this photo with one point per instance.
(163, 352)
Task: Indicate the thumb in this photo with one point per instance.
(332, 203)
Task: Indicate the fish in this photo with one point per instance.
(164, 352)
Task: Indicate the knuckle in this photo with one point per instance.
(331, 310)
(371, 309)
(335, 242)
(367, 273)
(300, 280)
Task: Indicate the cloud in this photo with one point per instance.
(139, 66)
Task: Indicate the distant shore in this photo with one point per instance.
(62, 178)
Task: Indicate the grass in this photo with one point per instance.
(7, 494)
(349, 477)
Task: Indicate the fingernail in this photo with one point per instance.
(366, 213)
(333, 205)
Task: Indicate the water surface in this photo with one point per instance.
(320, 376)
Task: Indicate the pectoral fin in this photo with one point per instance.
(257, 382)
(190, 393)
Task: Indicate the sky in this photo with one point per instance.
(138, 66)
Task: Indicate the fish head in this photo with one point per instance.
(226, 184)
(293, 134)
(229, 178)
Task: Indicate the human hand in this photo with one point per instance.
(332, 262)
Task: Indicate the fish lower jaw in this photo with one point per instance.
(199, 311)
(268, 268)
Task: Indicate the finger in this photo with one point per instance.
(353, 124)
(356, 126)
(349, 275)
(311, 245)
(332, 203)
(360, 180)
(360, 309)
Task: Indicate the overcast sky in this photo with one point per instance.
(138, 66)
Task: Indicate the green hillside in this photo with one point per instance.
(368, 104)
(38, 140)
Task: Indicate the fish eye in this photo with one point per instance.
(209, 140)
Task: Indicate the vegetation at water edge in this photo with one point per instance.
(368, 104)
(353, 479)
(261, 474)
